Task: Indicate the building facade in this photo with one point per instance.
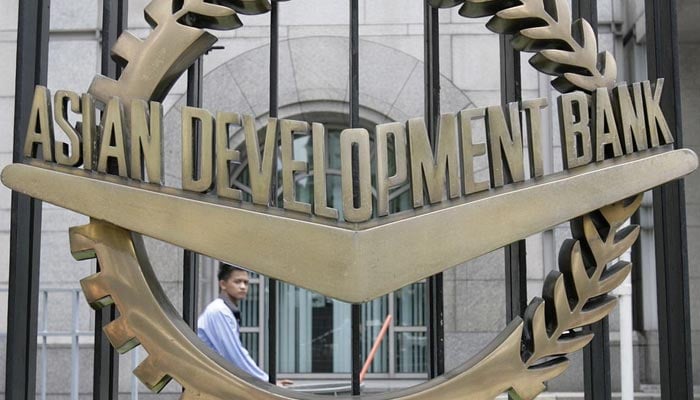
(313, 330)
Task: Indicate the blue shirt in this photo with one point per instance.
(218, 329)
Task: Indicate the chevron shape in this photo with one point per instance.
(378, 256)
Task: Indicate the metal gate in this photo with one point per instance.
(671, 244)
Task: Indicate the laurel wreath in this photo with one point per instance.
(545, 27)
(577, 295)
(531, 350)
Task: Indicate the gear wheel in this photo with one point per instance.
(512, 362)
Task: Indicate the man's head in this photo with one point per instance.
(233, 281)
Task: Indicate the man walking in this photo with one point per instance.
(219, 324)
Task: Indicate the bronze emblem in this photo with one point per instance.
(379, 256)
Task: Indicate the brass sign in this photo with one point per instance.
(615, 145)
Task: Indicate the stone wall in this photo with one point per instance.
(313, 71)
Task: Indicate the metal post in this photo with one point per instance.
(274, 109)
(669, 214)
(106, 359)
(434, 284)
(637, 289)
(596, 356)
(190, 260)
(515, 254)
(25, 226)
(356, 324)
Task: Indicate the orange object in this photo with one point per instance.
(375, 347)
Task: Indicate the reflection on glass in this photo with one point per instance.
(250, 342)
(313, 332)
(373, 315)
(410, 305)
(249, 306)
(410, 352)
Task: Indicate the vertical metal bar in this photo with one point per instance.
(190, 260)
(596, 363)
(356, 313)
(669, 214)
(274, 106)
(596, 356)
(106, 359)
(431, 75)
(588, 10)
(75, 347)
(354, 65)
(134, 380)
(434, 284)
(515, 254)
(44, 344)
(637, 289)
(25, 215)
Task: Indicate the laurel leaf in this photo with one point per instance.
(531, 383)
(574, 342)
(614, 276)
(589, 41)
(541, 33)
(622, 210)
(571, 264)
(609, 67)
(554, 62)
(484, 8)
(594, 311)
(556, 301)
(548, 30)
(623, 241)
(535, 335)
(445, 3)
(203, 15)
(248, 7)
(570, 82)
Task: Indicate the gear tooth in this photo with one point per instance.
(151, 376)
(126, 48)
(103, 89)
(156, 11)
(95, 292)
(120, 335)
(82, 247)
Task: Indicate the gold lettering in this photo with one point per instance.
(357, 207)
(533, 119)
(505, 140)
(606, 134)
(225, 156)
(146, 141)
(385, 182)
(40, 129)
(630, 116)
(192, 181)
(112, 141)
(260, 172)
(656, 122)
(574, 130)
(434, 170)
(470, 150)
(88, 129)
(70, 153)
(289, 128)
(320, 200)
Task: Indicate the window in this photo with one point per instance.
(314, 331)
